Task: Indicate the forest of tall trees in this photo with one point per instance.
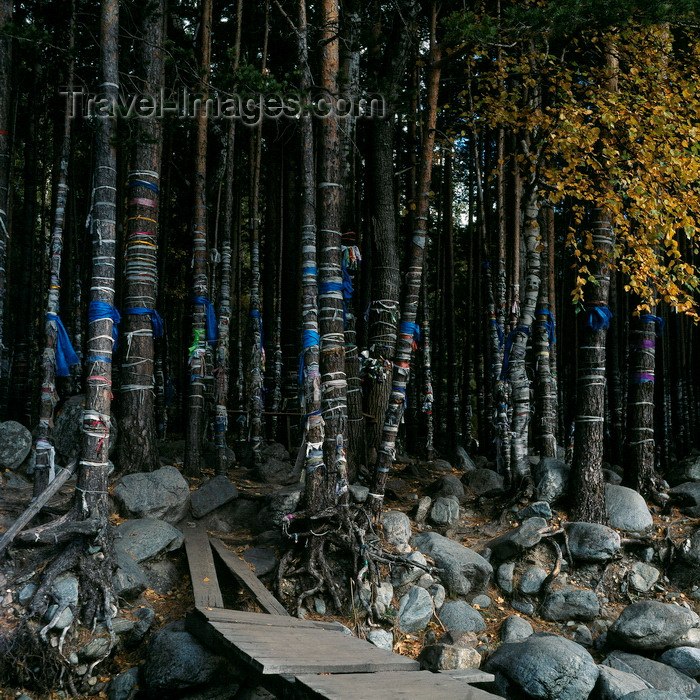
(360, 229)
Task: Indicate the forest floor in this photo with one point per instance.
(482, 519)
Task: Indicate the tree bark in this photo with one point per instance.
(200, 351)
(5, 142)
(142, 323)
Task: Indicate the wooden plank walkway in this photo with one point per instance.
(390, 686)
(288, 655)
(205, 584)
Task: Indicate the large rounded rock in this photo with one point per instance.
(397, 528)
(176, 661)
(146, 538)
(543, 666)
(551, 479)
(685, 659)
(15, 443)
(68, 430)
(415, 609)
(627, 510)
(658, 675)
(484, 482)
(592, 542)
(515, 629)
(445, 511)
(650, 624)
(459, 616)
(517, 540)
(162, 494)
(571, 604)
(448, 485)
(614, 684)
(464, 570)
(653, 694)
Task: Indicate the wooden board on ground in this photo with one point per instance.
(205, 585)
(243, 617)
(293, 649)
(390, 686)
(248, 580)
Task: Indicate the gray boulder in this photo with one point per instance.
(447, 485)
(162, 574)
(614, 684)
(162, 494)
(15, 443)
(650, 624)
(551, 479)
(685, 470)
(211, 495)
(129, 579)
(397, 528)
(65, 589)
(68, 429)
(687, 497)
(415, 609)
(627, 510)
(147, 538)
(404, 575)
(282, 503)
(176, 661)
(463, 462)
(381, 638)
(504, 576)
(653, 694)
(459, 616)
(538, 509)
(515, 629)
(440, 657)
(571, 604)
(464, 570)
(484, 482)
(543, 666)
(275, 471)
(358, 493)
(643, 576)
(611, 477)
(125, 685)
(440, 465)
(592, 542)
(685, 659)
(262, 559)
(275, 450)
(658, 675)
(422, 509)
(517, 540)
(531, 580)
(445, 511)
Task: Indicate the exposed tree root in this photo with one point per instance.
(336, 533)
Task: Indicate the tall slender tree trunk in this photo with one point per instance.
(586, 484)
(5, 142)
(314, 470)
(222, 371)
(199, 354)
(640, 446)
(331, 302)
(54, 346)
(142, 322)
(387, 449)
(257, 369)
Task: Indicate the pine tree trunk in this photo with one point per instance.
(44, 451)
(5, 142)
(387, 449)
(142, 324)
(639, 464)
(200, 353)
(222, 371)
(314, 469)
(331, 303)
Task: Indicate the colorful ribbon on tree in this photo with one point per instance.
(65, 355)
(101, 310)
(549, 325)
(211, 324)
(156, 319)
(650, 318)
(598, 317)
(508, 346)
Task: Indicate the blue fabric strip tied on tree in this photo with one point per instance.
(650, 318)
(549, 325)
(509, 344)
(308, 340)
(65, 355)
(210, 323)
(101, 310)
(598, 318)
(156, 320)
